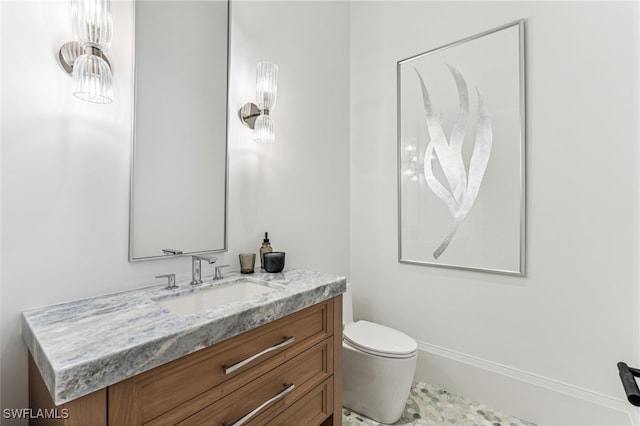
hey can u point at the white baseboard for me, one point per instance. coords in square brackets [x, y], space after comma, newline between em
[528, 396]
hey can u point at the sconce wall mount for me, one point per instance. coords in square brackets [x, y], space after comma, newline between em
[72, 50]
[249, 113]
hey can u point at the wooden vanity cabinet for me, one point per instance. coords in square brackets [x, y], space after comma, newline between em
[295, 379]
[72, 413]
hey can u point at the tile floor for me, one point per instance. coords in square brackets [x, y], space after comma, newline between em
[431, 406]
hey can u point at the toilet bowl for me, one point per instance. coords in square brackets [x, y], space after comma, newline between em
[378, 367]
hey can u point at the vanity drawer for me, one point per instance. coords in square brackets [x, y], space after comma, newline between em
[197, 380]
[273, 392]
[311, 409]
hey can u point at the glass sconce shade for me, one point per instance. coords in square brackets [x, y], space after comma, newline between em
[92, 22]
[256, 116]
[92, 79]
[263, 131]
[84, 59]
[266, 85]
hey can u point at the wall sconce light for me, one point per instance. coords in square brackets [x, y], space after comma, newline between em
[257, 117]
[85, 60]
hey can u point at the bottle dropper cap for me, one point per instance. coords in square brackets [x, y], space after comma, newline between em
[266, 237]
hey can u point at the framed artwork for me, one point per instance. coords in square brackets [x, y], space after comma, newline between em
[461, 154]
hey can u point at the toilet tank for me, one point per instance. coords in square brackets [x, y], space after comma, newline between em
[347, 306]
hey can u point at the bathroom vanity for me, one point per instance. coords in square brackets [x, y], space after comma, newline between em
[138, 357]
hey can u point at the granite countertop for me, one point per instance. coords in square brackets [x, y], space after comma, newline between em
[89, 344]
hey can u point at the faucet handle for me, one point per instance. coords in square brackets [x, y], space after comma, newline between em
[218, 272]
[171, 283]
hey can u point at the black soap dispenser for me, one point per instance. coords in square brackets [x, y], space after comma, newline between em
[265, 248]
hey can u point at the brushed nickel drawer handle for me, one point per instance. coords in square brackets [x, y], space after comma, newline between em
[234, 367]
[256, 410]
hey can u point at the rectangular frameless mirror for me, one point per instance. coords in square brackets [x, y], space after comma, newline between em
[179, 149]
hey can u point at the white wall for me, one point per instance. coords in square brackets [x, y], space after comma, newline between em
[575, 314]
[65, 163]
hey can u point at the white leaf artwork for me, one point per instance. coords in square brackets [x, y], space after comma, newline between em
[460, 190]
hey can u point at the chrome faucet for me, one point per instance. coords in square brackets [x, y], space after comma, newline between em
[196, 272]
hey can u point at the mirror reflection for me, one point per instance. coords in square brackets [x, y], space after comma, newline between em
[179, 158]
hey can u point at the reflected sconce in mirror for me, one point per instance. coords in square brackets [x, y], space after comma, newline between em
[256, 116]
[84, 59]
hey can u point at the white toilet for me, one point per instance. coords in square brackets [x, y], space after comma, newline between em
[378, 367]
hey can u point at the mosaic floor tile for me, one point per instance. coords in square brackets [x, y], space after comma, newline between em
[431, 406]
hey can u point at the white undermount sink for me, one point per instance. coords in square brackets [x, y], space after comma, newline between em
[217, 295]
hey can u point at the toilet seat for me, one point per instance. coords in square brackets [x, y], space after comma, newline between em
[378, 340]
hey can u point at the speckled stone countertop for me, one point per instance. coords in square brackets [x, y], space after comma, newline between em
[86, 345]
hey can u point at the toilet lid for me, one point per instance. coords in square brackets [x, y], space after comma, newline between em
[377, 339]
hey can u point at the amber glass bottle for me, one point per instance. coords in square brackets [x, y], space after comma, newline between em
[265, 248]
